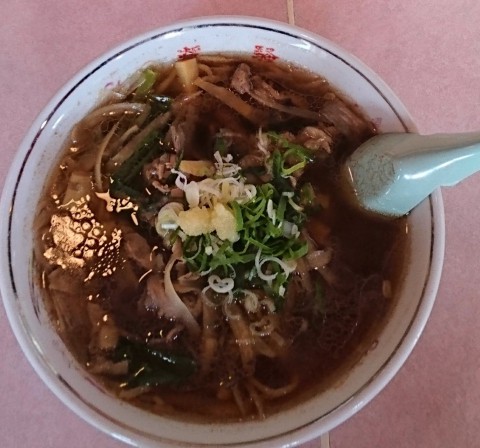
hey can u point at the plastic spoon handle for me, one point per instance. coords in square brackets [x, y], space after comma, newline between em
[392, 173]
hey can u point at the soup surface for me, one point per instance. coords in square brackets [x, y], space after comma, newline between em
[195, 249]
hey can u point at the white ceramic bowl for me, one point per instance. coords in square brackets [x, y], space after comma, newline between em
[38, 151]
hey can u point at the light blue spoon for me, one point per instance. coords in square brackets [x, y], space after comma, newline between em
[392, 173]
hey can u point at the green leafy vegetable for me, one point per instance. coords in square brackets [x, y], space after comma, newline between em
[125, 179]
[159, 104]
[151, 367]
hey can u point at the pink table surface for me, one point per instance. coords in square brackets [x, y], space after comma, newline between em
[428, 52]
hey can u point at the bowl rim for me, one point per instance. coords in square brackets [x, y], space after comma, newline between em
[376, 383]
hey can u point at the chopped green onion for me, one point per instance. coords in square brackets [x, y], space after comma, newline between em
[296, 156]
[307, 195]
[147, 80]
[238, 215]
[261, 223]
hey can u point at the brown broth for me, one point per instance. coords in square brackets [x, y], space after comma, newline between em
[344, 316]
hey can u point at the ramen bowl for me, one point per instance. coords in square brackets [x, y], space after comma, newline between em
[267, 41]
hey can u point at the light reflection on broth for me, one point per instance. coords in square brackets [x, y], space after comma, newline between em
[79, 239]
[194, 246]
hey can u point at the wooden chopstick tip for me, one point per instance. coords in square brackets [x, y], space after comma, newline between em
[291, 12]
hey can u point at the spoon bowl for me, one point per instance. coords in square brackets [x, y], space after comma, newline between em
[392, 173]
